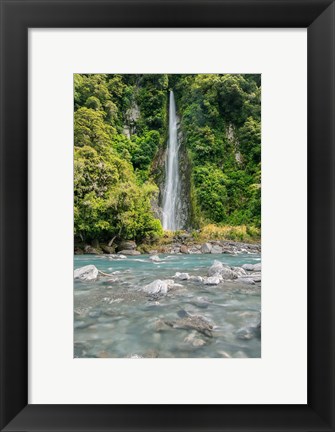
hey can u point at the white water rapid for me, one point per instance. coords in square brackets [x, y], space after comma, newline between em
[171, 191]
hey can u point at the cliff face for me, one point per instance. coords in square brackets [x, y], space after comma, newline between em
[185, 175]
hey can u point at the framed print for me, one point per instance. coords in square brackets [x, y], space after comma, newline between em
[135, 135]
[117, 317]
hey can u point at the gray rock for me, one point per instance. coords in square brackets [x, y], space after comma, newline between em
[89, 272]
[219, 269]
[154, 258]
[127, 245]
[184, 249]
[89, 250]
[158, 286]
[213, 280]
[194, 250]
[257, 277]
[206, 248]
[182, 276]
[239, 271]
[216, 249]
[252, 267]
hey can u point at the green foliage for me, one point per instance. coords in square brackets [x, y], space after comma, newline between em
[109, 197]
[144, 149]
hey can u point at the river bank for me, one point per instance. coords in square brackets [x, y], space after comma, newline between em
[176, 246]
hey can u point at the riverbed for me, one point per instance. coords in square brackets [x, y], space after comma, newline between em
[114, 317]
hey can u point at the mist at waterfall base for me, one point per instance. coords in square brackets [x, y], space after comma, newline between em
[117, 319]
[172, 190]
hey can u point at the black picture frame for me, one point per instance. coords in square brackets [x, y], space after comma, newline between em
[17, 16]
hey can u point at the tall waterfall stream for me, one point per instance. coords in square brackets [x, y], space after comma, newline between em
[172, 184]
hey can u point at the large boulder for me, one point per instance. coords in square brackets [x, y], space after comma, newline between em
[184, 249]
[220, 269]
[216, 249]
[206, 248]
[89, 272]
[158, 286]
[89, 250]
[126, 245]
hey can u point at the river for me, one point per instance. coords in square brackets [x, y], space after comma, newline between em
[113, 317]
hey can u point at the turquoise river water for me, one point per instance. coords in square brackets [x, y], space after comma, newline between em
[113, 317]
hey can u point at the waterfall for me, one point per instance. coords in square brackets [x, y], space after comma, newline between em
[172, 190]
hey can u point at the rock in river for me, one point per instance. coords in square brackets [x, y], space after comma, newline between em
[158, 286]
[154, 258]
[182, 276]
[220, 269]
[252, 267]
[89, 272]
[213, 280]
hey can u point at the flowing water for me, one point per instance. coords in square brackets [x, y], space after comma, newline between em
[171, 192]
[113, 317]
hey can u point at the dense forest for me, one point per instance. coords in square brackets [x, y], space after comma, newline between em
[120, 138]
